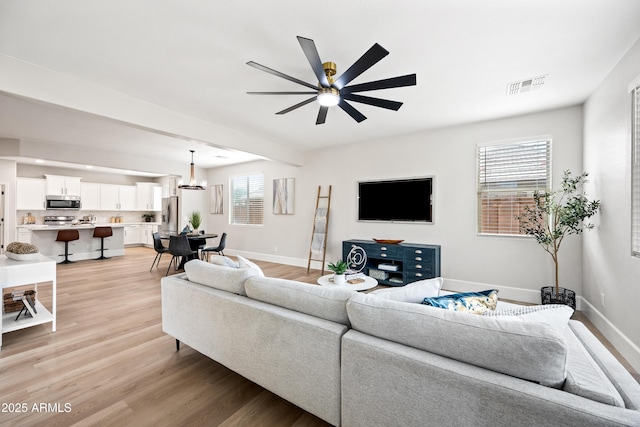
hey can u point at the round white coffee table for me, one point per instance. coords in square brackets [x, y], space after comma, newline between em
[367, 283]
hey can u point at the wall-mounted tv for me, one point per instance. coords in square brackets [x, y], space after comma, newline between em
[396, 200]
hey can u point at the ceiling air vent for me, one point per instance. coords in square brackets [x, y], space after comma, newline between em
[526, 85]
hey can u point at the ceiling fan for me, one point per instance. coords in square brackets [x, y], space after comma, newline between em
[329, 92]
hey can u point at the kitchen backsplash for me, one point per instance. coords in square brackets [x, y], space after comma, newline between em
[101, 216]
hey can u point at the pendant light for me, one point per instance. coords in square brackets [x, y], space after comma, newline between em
[192, 181]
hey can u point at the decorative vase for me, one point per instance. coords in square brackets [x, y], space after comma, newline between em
[339, 279]
[564, 296]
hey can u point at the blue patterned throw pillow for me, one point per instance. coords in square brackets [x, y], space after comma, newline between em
[471, 302]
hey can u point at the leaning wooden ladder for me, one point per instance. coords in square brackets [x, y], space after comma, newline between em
[320, 229]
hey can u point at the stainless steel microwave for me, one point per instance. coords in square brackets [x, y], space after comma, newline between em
[63, 202]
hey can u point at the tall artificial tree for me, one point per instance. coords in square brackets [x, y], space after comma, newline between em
[557, 214]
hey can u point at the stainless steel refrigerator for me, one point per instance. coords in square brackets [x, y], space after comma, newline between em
[169, 215]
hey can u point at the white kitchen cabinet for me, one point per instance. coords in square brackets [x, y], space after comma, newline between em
[24, 235]
[149, 196]
[62, 185]
[90, 196]
[132, 235]
[117, 197]
[30, 194]
[170, 188]
[146, 234]
[127, 197]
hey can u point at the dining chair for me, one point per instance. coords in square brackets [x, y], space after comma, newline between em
[179, 248]
[205, 252]
[159, 248]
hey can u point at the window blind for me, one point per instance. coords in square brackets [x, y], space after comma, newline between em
[247, 200]
[635, 175]
[508, 174]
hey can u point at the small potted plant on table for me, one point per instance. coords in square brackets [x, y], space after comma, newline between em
[339, 269]
[553, 216]
[195, 220]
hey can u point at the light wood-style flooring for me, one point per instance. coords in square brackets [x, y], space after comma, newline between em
[109, 363]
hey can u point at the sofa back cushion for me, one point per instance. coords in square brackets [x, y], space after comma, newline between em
[221, 277]
[529, 350]
[319, 301]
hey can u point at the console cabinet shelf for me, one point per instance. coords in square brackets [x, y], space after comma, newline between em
[408, 262]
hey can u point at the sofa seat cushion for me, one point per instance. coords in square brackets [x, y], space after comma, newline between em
[319, 301]
[619, 376]
[532, 351]
[221, 277]
[584, 376]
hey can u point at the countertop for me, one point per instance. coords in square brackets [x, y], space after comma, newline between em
[42, 227]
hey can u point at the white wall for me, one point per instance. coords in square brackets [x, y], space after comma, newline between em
[468, 260]
[609, 268]
[8, 178]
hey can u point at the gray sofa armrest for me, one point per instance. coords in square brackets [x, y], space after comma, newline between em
[385, 383]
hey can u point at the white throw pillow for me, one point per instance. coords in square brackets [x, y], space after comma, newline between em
[555, 315]
[413, 292]
[223, 260]
[245, 263]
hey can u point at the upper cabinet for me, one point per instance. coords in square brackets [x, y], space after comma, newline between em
[117, 197]
[149, 196]
[58, 185]
[90, 196]
[30, 194]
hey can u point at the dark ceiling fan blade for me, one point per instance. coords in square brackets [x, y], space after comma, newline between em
[366, 61]
[298, 105]
[310, 51]
[279, 74]
[282, 93]
[376, 102]
[400, 81]
[322, 115]
[348, 108]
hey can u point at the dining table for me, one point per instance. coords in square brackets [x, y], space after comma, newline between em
[196, 240]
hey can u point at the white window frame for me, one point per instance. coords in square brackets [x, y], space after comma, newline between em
[634, 88]
[254, 182]
[506, 183]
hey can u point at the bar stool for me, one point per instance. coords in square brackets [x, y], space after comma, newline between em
[67, 236]
[102, 232]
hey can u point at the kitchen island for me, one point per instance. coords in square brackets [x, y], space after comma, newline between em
[87, 247]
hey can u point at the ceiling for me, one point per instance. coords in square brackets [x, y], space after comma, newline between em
[176, 70]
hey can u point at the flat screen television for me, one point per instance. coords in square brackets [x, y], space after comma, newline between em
[396, 200]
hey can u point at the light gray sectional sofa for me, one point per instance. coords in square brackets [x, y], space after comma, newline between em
[380, 359]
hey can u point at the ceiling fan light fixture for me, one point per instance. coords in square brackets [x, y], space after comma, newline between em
[193, 185]
[328, 96]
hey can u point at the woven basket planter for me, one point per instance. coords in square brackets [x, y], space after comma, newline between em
[564, 296]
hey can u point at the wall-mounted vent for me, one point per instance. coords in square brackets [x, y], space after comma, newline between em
[526, 85]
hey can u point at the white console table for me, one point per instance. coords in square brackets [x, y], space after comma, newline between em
[22, 273]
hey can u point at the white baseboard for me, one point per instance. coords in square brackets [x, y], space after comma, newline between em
[296, 262]
[620, 341]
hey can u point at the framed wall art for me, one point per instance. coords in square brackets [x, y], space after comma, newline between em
[217, 199]
[283, 196]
